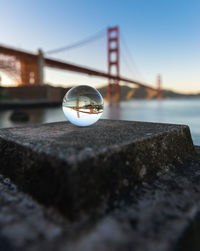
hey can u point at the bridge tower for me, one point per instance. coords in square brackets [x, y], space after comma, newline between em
[159, 87]
[113, 90]
[40, 67]
[31, 69]
[28, 72]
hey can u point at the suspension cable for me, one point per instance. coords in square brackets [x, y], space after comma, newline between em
[79, 43]
[131, 60]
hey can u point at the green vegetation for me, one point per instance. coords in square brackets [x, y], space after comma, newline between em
[4, 95]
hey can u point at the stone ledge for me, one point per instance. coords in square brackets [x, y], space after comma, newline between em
[24, 224]
[154, 216]
[80, 170]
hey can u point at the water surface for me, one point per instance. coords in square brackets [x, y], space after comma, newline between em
[177, 111]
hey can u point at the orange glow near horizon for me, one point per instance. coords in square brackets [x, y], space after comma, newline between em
[68, 79]
[7, 81]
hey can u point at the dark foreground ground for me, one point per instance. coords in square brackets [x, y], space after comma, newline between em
[113, 186]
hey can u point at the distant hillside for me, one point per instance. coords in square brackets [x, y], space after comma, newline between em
[127, 93]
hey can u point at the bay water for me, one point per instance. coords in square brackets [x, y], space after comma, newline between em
[176, 111]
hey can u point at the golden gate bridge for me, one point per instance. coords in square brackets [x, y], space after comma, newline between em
[27, 68]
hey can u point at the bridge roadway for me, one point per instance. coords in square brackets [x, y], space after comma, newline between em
[49, 62]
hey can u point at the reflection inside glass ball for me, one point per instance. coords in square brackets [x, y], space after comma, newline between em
[83, 105]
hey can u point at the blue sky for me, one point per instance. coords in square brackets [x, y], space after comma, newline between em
[163, 36]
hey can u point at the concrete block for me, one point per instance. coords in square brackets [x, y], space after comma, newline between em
[82, 170]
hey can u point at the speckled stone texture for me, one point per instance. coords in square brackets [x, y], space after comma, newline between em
[24, 224]
[80, 171]
[153, 216]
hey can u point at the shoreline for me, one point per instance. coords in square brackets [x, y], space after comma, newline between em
[6, 105]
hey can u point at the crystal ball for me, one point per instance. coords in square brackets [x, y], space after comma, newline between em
[83, 105]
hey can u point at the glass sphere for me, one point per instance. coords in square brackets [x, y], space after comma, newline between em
[83, 105]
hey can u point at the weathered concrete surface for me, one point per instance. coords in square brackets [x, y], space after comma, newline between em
[25, 225]
[152, 216]
[82, 170]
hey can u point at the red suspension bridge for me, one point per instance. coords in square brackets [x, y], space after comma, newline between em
[27, 68]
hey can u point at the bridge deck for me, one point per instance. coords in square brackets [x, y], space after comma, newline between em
[68, 66]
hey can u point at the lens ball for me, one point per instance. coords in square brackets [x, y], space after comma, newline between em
[83, 105]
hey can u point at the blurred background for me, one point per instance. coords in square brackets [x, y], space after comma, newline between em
[143, 56]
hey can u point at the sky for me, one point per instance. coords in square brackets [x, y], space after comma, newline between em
[156, 37]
